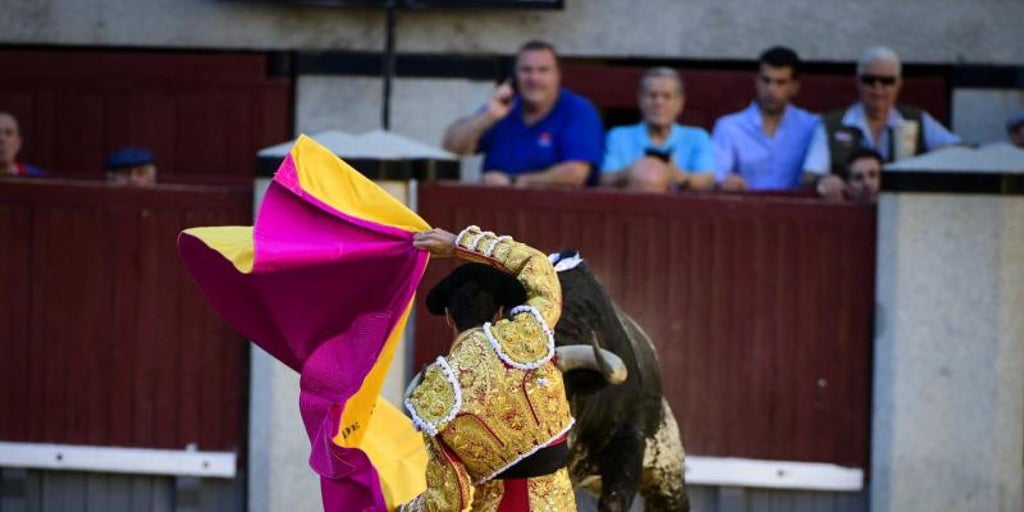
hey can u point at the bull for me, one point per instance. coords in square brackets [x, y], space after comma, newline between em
[625, 433]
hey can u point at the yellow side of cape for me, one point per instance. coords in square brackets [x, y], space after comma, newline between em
[331, 180]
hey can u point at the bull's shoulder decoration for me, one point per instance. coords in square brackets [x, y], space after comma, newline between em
[565, 260]
[437, 398]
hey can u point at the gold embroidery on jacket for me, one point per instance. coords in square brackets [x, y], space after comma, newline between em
[507, 413]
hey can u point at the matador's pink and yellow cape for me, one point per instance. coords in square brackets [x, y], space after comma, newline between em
[324, 282]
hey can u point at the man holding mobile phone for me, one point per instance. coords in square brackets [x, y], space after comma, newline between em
[532, 131]
[658, 154]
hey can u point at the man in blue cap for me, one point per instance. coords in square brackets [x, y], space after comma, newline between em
[131, 166]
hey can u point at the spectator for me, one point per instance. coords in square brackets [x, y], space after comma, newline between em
[876, 121]
[763, 146]
[658, 153]
[865, 171]
[1015, 129]
[10, 144]
[532, 131]
[131, 166]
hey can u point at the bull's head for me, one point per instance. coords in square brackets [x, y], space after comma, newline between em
[589, 323]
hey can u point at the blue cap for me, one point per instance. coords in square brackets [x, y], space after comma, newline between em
[129, 157]
[1015, 121]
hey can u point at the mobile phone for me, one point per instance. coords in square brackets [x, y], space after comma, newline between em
[510, 78]
[661, 154]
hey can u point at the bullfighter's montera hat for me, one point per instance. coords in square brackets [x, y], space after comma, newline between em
[506, 289]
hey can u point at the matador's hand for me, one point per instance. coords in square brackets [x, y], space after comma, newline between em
[438, 242]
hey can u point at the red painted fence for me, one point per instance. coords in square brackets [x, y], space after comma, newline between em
[204, 115]
[104, 339]
[760, 306]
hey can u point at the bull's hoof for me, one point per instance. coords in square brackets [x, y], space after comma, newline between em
[614, 502]
[587, 501]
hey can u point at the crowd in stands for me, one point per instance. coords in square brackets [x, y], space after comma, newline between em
[533, 131]
[126, 166]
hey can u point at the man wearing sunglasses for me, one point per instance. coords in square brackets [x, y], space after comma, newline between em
[875, 122]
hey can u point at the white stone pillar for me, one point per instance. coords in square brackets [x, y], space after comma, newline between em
[280, 479]
[948, 423]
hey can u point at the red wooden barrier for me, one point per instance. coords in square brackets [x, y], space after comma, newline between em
[105, 340]
[760, 306]
[204, 115]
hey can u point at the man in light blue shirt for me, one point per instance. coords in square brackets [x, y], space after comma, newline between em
[763, 146]
[659, 154]
[876, 121]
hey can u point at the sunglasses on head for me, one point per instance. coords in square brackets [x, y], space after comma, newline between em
[872, 79]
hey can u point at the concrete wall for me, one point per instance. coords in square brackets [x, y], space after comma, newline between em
[980, 115]
[948, 429]
[420, 108]
[924, 32]
[937, 31]
[280, 479]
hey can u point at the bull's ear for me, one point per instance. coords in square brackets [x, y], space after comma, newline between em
[582, 381]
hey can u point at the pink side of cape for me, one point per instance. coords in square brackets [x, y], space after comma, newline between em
[325, 292]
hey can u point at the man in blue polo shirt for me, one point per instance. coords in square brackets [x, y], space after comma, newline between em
[763, 146]
[537, 133]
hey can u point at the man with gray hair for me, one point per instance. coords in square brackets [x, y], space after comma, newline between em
[876, 121]
[658, 153]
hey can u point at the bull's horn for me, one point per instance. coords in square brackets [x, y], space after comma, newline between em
[576, 357]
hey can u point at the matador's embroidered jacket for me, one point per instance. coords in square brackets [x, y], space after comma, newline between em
[497, 398]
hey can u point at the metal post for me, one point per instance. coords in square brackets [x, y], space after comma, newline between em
[391, 9]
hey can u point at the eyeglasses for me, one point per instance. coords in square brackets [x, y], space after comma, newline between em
[873, 79]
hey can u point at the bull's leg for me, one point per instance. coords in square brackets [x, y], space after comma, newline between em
[621, 466]
[664, 485]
